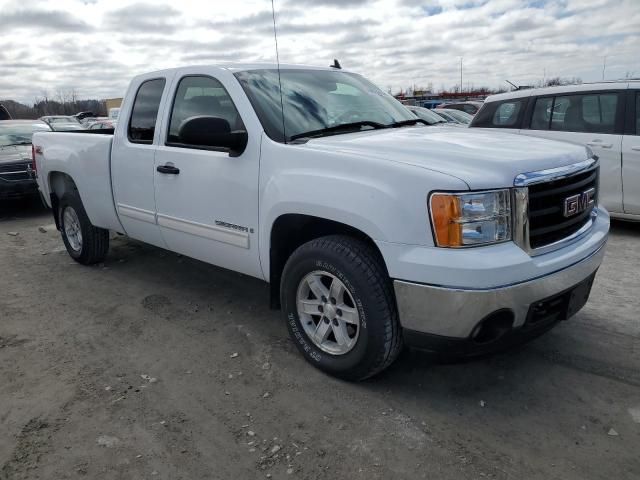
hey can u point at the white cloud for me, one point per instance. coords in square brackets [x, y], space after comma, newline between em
[95, 46]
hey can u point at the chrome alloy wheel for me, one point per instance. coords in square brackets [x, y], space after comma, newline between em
[328, 313]
[72, 228]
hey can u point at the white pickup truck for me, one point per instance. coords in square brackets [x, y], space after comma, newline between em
[374, 230]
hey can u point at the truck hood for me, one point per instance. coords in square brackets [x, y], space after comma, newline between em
[15, 153]
[481, 158]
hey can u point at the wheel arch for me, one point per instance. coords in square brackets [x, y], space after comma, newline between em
[59, 183]
[291, 230]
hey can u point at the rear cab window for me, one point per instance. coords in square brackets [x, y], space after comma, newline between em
[501, 114]
[144, 114]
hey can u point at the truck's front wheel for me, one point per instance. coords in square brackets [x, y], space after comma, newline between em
[85, 243]
[339, 307]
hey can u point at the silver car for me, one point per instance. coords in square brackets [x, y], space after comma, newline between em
[433, 118]
[454, 116]
[62, 123]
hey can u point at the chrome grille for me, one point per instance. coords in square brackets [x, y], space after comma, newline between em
[547, 221]
[542, 219]
[13, 172]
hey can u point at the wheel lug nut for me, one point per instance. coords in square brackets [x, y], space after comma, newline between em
[326, 320]
[339, 312]
[333, 300]
[335, 322]
[324, 299]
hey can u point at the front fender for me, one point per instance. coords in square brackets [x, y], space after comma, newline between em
[385, 200]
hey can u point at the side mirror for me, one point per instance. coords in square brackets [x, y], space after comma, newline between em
[212, 133]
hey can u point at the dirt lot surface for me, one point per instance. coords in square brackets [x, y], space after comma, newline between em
[157, 366]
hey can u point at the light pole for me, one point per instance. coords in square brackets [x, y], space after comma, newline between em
[460, 74]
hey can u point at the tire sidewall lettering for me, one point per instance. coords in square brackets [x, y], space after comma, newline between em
[329, 267]
[300, 337]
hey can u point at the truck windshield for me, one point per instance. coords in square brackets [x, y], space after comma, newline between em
[314, 100]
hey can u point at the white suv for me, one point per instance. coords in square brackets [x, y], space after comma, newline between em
[603, 116]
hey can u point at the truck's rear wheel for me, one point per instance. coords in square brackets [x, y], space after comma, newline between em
[339, 307]
[85, 243]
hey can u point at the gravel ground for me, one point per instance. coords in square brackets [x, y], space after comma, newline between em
[157, 366]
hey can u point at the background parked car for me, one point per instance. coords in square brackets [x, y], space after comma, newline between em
[16, 179]
[85, 122]
[454, 116]
[427, 115]
[101, 123]
[603, 116]
[82, 115]
[61, 123]
[4, 113]
[430, 104]
[470, 107]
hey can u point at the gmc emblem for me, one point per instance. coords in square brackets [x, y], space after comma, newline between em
[576, 204]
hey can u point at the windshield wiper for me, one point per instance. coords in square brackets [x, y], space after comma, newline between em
[411, 121]
[346, 127]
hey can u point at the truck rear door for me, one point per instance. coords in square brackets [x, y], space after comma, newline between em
[631, 155]
[133, 157]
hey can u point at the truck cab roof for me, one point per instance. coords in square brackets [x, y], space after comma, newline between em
[237, 67]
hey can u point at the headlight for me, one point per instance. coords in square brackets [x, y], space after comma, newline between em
[467, 219]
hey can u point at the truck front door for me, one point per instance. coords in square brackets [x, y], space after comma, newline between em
[207, 196]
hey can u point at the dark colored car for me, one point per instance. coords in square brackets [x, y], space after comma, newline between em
[470, 107]
[82, 115]
[4, 113]
[16, 164]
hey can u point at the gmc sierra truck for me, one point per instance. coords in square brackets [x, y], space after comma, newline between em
[373, 229]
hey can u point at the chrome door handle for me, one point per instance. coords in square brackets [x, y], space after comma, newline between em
[637, 149]
[596, 143]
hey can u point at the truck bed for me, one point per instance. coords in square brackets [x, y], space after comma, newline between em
[86, 159]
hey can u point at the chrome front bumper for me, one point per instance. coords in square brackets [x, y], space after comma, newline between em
[454, 312]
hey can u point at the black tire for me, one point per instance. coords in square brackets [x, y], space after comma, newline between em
[95, 241]
[360, 269]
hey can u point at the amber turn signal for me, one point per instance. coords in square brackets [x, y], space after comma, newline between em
[445, 212]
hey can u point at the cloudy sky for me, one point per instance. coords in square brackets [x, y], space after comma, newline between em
[95, 46]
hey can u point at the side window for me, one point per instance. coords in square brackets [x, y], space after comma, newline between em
[198, 97]
[145, 111]
[589, 113]
[507, 114]
[541, 114]
[599, 112]
[561, 105]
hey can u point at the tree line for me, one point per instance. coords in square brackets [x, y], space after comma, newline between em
[483, 91]
[64, 103]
